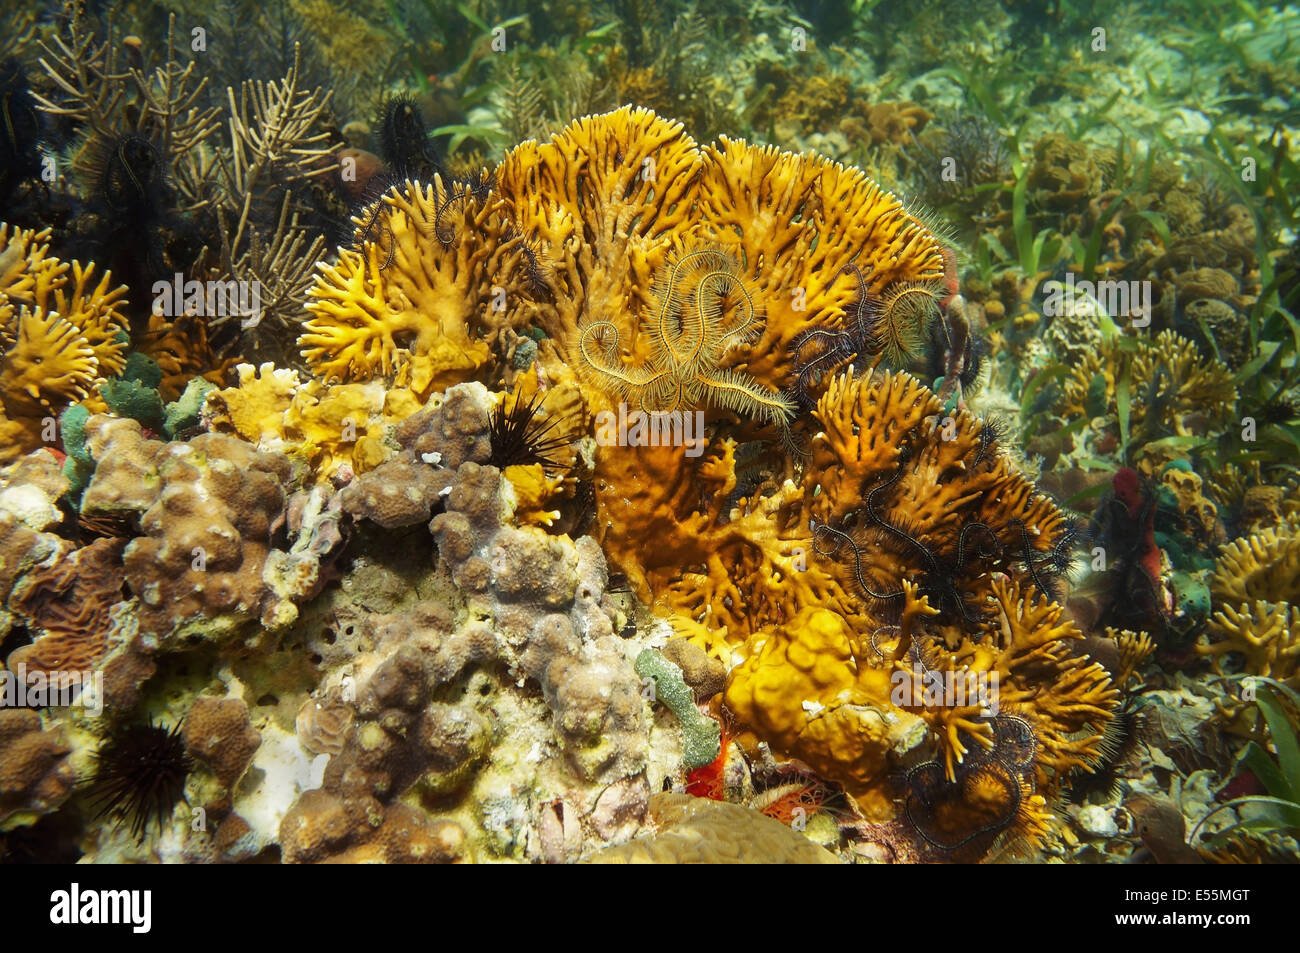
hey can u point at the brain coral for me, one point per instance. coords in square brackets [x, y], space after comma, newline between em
[69, 603]
[35, 775]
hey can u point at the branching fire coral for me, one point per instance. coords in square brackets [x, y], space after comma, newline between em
[1265, 635]
[406, 303]
[627, 211]
[1263, 566]
[59, 331]
[798, 222]
[918, 548]
[891, 492]
[1257, 598]
[1175, 391]
[639, 190]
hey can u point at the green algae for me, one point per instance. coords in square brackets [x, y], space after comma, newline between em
[701, 736]
[183, 413]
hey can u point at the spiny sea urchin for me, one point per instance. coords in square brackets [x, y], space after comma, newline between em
[404, 143]
[140, 775]
[1121, 739]
[519, 437]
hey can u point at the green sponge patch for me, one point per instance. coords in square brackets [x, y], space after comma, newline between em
[72, 425]
[183, 412]
[129, 398]
[78, 474]
[143, 369]
[702, 737]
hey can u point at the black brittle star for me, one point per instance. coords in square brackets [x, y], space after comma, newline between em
[1009, 762]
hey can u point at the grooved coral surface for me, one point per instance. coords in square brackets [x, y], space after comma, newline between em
[205, 508]
[69, 604]
[692, 830]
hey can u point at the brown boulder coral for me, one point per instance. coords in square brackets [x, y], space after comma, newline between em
[35, 776]
[319, 829]
[457, 698]
[22, 550]
[218, 734]
[206, 508]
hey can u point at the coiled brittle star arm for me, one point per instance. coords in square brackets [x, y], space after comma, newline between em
[628, 380]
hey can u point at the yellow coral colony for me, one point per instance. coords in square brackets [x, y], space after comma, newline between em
[432, 276]
[622, 208]
[665, 276]
[947, 517]
[1256, 590]
[1196, 396]
[328, 426]
[60, 334]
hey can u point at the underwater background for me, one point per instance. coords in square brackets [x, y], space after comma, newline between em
[626, 431]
